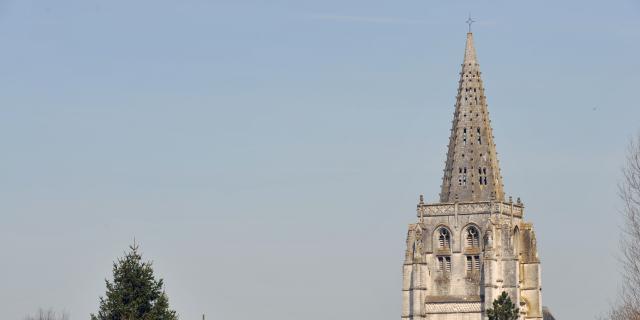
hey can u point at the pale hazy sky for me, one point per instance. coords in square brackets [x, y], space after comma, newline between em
[268, 155]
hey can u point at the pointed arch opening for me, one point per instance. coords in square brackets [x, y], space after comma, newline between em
[472, 237]
[444, 238]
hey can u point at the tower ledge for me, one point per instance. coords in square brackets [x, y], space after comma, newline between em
[476, 207]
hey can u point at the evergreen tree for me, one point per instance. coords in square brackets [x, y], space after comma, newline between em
[503, 309]
[134, 294]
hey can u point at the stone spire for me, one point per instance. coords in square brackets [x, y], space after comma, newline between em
[471, 172]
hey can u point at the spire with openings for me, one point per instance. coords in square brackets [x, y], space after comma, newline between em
[471, 172]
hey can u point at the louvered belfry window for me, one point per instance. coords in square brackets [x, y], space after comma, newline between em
[473, 237]
[444, 264]
[473, 263]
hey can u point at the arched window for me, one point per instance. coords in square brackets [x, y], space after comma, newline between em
[473, 237]
[444, 239]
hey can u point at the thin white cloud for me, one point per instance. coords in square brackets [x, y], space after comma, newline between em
[365, 19]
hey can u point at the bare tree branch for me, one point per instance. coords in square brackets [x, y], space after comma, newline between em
[628, 306]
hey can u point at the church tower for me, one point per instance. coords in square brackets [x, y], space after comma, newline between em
[473, 244]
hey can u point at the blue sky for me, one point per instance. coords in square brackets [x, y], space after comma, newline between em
[268, 155]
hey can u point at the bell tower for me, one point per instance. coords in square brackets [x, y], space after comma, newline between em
[473, 244]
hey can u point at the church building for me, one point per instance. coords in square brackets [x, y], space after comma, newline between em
[473, 244]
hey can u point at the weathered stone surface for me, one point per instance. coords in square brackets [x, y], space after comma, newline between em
[471, 246]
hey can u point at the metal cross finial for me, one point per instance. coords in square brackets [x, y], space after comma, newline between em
[470, 21]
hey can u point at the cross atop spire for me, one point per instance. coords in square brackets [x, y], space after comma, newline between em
[470, 21]
[471, 171]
